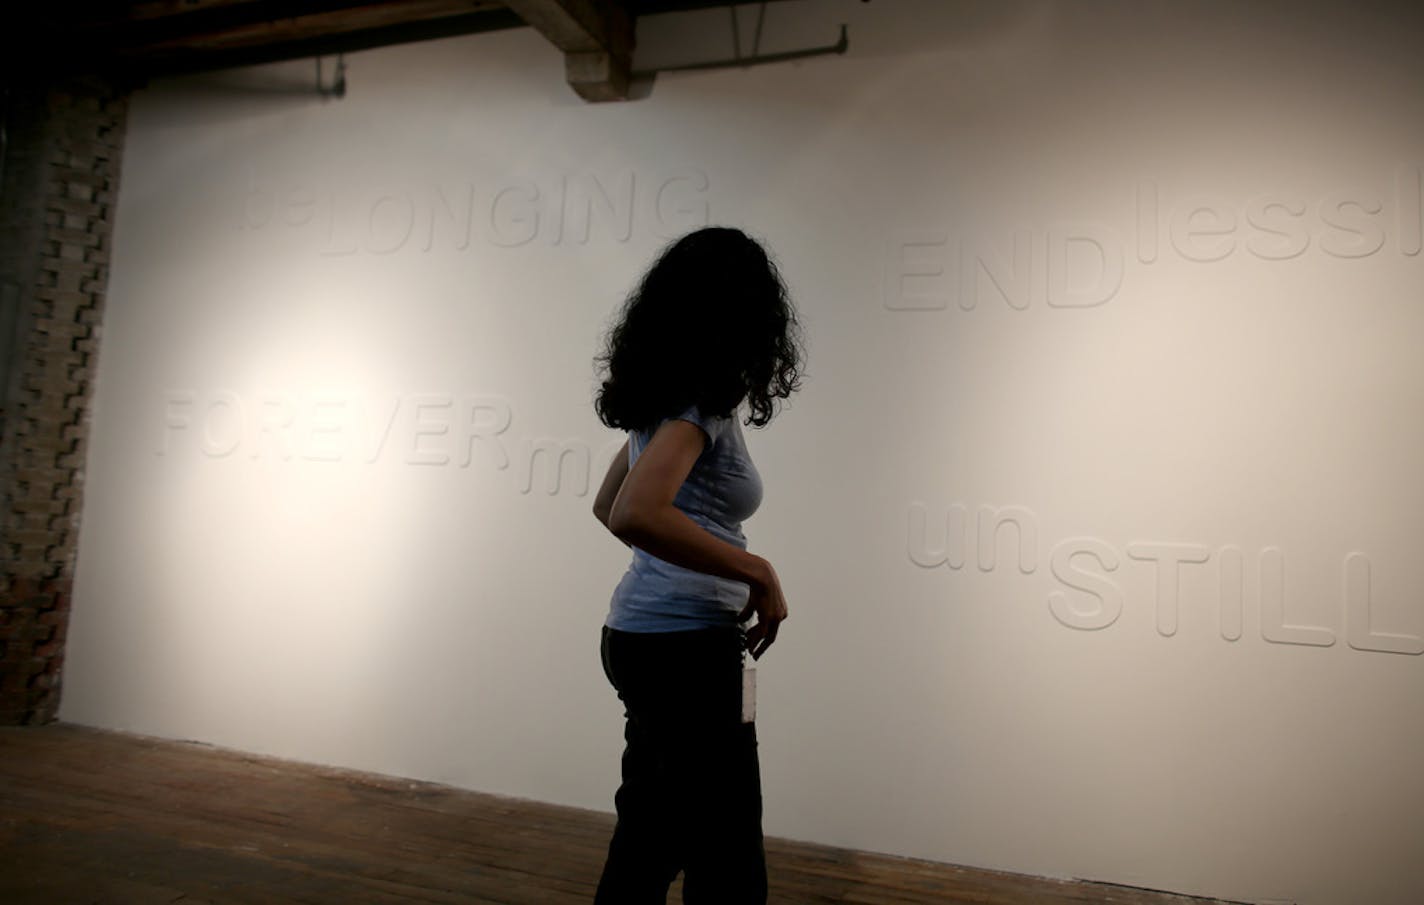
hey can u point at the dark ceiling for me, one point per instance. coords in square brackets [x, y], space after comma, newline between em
[144, 38]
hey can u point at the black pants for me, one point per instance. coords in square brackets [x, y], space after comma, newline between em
[691, 793]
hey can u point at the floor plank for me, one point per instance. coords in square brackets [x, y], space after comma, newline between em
[112, 818]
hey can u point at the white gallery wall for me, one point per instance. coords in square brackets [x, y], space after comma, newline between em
[1098, 515]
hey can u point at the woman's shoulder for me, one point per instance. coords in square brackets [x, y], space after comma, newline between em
[715, 425]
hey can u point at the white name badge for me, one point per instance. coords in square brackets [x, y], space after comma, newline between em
[749, 694]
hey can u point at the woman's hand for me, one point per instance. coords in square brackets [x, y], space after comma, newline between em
[769, 604]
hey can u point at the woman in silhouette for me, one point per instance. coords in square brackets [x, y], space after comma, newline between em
[707, 338]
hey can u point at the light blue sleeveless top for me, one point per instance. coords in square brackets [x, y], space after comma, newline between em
[720, 492]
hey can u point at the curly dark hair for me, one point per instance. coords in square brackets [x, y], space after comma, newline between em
[710, 324]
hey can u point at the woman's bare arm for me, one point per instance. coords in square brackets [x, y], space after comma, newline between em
[612, 482]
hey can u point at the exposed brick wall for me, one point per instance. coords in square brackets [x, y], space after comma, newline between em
[60, 182]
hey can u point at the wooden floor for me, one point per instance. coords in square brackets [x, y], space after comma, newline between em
[96, 816]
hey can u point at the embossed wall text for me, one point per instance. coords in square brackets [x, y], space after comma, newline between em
[1092, 600]
[1083, 264]
[568, 209]
[418, 429]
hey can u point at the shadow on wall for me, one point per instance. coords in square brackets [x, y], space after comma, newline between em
[232, 94]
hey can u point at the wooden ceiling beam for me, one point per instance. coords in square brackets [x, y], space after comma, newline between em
[143, 38]
[596, 37]
[228, 24]
[166, 37]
